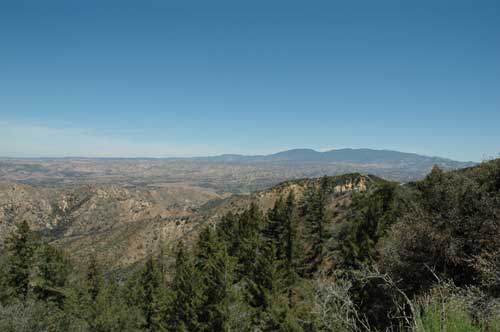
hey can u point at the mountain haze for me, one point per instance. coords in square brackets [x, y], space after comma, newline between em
[224, 174]
[347, 155]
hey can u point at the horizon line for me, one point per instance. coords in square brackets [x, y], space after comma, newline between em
[233, 154]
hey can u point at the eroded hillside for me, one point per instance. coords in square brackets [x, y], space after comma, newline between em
[101, 219]
[122, 225]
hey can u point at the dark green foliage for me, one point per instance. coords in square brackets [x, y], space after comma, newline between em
[371, 217]
[36, 316]
[315, 216]
[371, 265]
[218, 274]
[93, 278]
[282, 230]
[20, 251]
[52, 269]
[293, 247]
[206, 247]
[150, 295]
[228, 231]
[455, 220]
[112, 313]
[249, 236]
[98, 303]
[82, 296]
[187, 291]
[273, 231]
[266, 289]
[266, 278]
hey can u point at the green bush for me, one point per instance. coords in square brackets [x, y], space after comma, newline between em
[449, 309]
[445, 316]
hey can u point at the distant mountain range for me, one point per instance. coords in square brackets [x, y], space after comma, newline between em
[227, 173]
[349, 156]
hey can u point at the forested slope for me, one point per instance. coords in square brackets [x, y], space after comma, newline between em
[383, 257]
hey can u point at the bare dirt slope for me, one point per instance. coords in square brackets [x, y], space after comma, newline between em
[120, 223]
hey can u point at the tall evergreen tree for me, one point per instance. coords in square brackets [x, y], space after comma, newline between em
[94, 278]
[52, 269]
[82, 296]
[151, 296]
[266, 289]
[228, 231]
[249, 235]
[112, 314]
[20, 250]
[266, 278]
[187, 291]
[218, 277]
[373, 215]
[274, 228]
[292, 244]
[206, 246]
[315, 217]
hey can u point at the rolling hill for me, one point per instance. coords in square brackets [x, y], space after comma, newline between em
[225, 174]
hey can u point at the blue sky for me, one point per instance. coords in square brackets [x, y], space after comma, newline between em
[180, 78]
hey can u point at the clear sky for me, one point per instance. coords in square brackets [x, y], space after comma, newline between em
[179, 78]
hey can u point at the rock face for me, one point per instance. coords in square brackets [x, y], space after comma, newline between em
[122, 225]
[356, 185]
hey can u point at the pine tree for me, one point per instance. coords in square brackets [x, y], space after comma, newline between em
[315, 216]
[249, 236]
[151, 296]
[219, 294]
[206, 247]
[228, 231]
[112, 314]
[94, 278]
[276, 219]
[52, 271]
[187, 291]
[98, 303]
[292, 245]
[83, 293]
[20, 250]
[266, 289]
[374, 213]
[266, 278]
